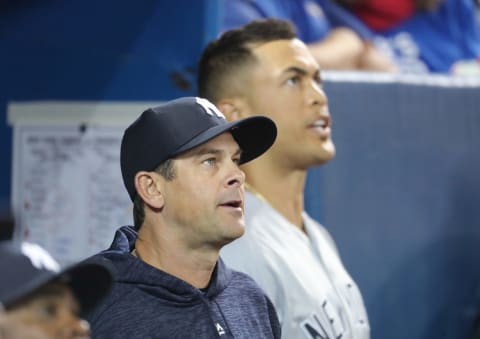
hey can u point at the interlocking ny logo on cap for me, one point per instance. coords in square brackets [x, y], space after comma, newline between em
[209, 108]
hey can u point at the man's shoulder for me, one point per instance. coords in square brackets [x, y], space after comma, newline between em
[244, 296]
[242, 281]
[112, 311]
[243, 287]
[131, 310]
[122, 294]
[101, 258]
[246, 287]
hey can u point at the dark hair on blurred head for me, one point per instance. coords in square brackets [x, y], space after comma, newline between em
[224, 57]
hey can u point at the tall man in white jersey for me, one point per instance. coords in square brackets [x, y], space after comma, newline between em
[263, 67]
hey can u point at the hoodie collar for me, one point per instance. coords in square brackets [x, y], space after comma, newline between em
[131, 270]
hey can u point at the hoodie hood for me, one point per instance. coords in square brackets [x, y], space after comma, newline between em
[131, 270]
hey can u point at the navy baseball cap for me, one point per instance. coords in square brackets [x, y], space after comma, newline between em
[29, 267]
[179, 125]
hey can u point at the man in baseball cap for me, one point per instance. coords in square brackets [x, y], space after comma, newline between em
[180, 166]
[41, 300]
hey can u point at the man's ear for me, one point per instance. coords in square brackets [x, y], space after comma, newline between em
[231, 108]
[149, 188]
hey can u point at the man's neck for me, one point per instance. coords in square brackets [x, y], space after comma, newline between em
[167, 254]
[283, 190]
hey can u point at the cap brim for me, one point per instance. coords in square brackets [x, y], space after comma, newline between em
[25, 288]
[254, 135]
[90, 283]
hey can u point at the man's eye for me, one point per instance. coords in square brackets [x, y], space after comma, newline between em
[49, 310]
[236, 160]
[209, 161]
[293, 80]
[318, 80]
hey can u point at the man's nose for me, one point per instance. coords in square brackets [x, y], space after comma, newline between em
[236, 177]
[317, 95]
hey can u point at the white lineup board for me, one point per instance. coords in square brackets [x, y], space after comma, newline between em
[67, 191]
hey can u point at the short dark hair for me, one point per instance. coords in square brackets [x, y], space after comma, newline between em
[223, 58]
[166, 170]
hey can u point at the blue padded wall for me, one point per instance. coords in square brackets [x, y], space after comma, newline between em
[401, 198]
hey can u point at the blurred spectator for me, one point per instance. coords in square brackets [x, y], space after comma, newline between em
[425, 35]
[384, 14]
[11, 328]
[336, 38]
[41, 301]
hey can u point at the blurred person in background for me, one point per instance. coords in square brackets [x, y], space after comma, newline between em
[40, 300]
[335, 37]
[440, 36]
[12, 328]
[380, 15]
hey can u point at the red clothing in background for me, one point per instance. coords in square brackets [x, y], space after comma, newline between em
[383, 14]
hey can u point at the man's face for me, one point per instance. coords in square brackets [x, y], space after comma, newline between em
[285, 85]
[52, 311]
[204, 202]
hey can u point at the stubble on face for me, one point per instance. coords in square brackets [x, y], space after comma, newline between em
[200, 204]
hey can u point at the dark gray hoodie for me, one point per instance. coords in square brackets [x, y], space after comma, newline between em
[146, 302]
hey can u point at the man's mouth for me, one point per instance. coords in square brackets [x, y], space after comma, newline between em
[232, 203]
[321, 127]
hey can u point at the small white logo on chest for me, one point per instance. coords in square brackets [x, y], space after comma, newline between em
[220, 329]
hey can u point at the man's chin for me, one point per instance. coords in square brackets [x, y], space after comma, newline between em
[325, 155]
[234, 234]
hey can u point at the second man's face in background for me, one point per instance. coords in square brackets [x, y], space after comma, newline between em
[285, 84]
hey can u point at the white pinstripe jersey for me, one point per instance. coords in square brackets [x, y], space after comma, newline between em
[302, 274]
